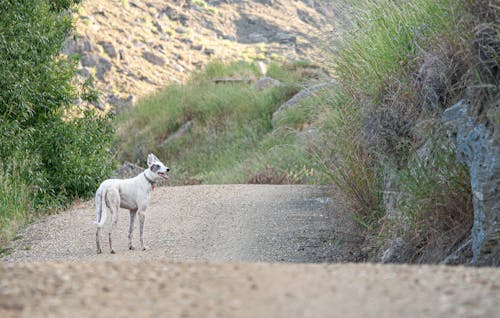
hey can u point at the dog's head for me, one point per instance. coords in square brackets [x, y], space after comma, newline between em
[157, 167]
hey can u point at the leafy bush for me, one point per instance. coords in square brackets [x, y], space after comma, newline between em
[75, 153]
[36, 80]
[46, 158]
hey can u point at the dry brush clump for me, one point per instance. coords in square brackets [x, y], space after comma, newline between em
[387, 127]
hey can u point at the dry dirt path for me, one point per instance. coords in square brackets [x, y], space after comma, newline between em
[218, 251]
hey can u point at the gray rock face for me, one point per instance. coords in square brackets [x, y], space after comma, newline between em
[265, 83]
[120, 104]
[479, 148]
[103, 67]
[127, 170]
[296, 99]
[109, 48]
[179, 133]
[90, 60]
[74, 46]
[154, 59]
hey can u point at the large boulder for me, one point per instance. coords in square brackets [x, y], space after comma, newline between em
[279, 114]
[479, 148]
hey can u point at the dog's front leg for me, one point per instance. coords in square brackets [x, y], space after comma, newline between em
[131, 228]
[142, 218]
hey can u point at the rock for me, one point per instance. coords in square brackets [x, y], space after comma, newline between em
[184, 19]
[391, 196]
[286, 38]
[432, 80]
[229, 37]
[146, 79]
[179, 133]
[120, 103]
[479, 148]
[127, 170]
[170, 12]
[181, 30]
[77, 46]
[395, 252]
[187, 41]
[209, 51]
[257, 37]
[178, 68]
[109, 49]
[103, 66]
[90, 60]
[84, 72]
[121, 53]
[294, 101]
[265, 83]
[154, 59]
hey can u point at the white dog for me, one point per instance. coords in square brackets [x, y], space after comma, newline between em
[131, 194]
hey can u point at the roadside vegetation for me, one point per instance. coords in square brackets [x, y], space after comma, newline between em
[51, 152]
[401, 66]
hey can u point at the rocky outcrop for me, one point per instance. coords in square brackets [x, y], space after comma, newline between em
[154, 59]
[265, 82]
[479, 148]
[296, 99]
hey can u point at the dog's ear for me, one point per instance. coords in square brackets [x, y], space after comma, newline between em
[152, 159]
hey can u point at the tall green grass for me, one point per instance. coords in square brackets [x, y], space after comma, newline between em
[378, 102]
[373, 66]
[231, 133]
[16, 199]
[386, 35]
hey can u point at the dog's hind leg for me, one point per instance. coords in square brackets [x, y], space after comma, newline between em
[113, 202]
[100, 217]
[131, 228]
[98, 240]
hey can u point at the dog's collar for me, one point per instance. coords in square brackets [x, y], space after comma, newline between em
[151, 182]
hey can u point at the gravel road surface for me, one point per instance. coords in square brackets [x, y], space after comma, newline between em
[228, 251]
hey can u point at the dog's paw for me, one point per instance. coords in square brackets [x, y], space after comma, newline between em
[113, 252]
[144, 248]
[99, 251]
[131, 248]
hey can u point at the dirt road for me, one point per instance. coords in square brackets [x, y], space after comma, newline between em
[219, 251]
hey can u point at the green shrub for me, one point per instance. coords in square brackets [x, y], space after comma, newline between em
[75, 153]
[46, 160]
[36, 80]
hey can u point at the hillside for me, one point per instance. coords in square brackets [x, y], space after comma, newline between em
[133, 48]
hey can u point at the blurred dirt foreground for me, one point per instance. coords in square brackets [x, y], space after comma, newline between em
[228, 251]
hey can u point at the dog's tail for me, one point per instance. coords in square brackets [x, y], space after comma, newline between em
[100, 201]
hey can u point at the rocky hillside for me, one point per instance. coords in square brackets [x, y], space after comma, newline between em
[133, 48]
